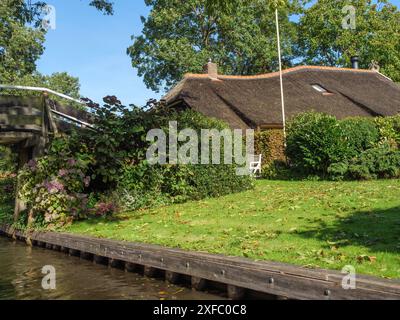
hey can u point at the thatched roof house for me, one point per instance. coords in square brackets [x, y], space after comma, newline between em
[255, 101]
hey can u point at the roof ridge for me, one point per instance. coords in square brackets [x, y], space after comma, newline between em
[275, 74]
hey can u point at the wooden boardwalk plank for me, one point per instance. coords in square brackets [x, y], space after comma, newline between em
[267, 277]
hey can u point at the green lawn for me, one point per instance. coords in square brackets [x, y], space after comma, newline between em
[313, 224]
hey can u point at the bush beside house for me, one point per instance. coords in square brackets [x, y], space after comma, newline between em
[354, 148]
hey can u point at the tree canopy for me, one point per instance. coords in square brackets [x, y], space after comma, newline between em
[179, 37]
[103, 5]
[20, 44]
[240, 35]
[322, 39]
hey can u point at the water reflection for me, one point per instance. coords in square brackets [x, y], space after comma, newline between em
[21, 277]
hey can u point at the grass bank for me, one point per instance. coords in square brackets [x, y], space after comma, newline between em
[313, 224]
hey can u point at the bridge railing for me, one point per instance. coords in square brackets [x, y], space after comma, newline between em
[63, 112]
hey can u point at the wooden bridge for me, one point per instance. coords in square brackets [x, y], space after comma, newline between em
[27, 123]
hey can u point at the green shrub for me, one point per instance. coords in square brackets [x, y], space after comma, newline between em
[216, 180]
[7, 188]
[379, 162]
[389, 129]
[145, 185]
[141, 185]
[278, 170]
[314, 142]
[353, 148]
[194, 120]
[193, 182]
[7, 160]
[339, 170]
[360, 134]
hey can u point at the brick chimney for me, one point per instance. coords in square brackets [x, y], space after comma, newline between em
[211, 69]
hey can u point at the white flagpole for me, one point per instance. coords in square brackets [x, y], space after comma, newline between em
[280, 76]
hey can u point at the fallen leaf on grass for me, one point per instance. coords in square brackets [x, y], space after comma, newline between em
[363, 258]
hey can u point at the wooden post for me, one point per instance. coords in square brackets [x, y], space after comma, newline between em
[235, 293]
[114, 263]
[198, 284]
[74, 253]
[49, 115]
[130, 267]
[150, 272]
[40, 244]
[64, 249]
[86, 256]
[172, 277]
[100, 260]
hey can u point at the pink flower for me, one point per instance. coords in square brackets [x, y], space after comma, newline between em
[54, 186]
[62, 172]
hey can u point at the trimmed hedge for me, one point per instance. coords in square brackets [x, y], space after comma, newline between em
[142, 185]
[269, 143]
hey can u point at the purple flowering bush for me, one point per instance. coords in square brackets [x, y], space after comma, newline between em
[54, 189]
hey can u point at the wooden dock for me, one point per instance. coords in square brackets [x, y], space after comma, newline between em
[239, 276]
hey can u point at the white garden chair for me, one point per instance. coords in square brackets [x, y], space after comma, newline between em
[255, 164]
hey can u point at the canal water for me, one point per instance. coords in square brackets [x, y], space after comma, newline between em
[21, 278]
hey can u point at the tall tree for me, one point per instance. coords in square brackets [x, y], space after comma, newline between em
[22, 36]
[63, 82]
[323, 40]
[20, 44]
[181, 36]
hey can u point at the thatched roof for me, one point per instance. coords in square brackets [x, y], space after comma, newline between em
[255, 101]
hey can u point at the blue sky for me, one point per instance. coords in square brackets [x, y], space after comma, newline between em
[92, 47]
